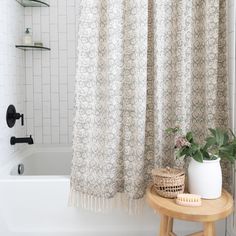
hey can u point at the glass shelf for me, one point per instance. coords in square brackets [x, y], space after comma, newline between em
[29, 47]
[33, 3]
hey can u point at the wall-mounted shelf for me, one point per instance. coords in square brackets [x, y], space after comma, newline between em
[33, 3]
[29, 47]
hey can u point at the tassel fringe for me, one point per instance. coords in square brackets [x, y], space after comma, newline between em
[100, 204]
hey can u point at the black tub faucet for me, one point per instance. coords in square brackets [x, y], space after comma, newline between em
[12, 116]
[28, 140]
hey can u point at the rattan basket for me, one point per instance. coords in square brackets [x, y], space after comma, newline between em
[168, 182]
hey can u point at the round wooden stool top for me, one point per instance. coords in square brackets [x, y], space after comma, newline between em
[210, 211]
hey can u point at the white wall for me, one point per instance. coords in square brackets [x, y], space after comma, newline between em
[231, 32]
[12, 73]
[50, 76]
[231, 64]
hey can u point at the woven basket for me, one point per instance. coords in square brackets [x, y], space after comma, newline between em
[168, 182]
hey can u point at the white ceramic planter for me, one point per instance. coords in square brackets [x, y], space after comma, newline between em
[205, 179]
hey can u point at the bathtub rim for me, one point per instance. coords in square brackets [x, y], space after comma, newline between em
[19, 156]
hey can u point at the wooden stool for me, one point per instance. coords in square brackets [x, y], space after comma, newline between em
[208, 213]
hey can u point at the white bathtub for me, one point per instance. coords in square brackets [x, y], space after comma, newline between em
[35, 204]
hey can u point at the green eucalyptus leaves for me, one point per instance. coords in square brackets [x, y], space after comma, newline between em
[218, 144]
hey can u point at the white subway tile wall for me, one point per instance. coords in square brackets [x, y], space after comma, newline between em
[12, 74]
[231, 61]
[50, 76]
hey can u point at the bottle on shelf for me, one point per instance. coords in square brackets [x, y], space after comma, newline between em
[28, 37]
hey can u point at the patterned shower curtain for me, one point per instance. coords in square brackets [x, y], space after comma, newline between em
[143, 66]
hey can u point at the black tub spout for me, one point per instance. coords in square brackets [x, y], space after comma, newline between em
[28, 140]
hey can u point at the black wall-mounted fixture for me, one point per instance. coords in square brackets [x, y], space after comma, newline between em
[12, 116]
[28, 140]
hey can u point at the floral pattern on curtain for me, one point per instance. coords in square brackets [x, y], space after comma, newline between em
[143, 66]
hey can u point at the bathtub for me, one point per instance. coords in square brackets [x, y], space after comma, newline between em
[35, 203]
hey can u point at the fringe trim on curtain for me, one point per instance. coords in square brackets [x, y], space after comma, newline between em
[99, 204]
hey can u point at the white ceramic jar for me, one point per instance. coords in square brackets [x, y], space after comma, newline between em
[205, 179]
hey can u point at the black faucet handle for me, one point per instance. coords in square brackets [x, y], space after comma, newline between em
[22, 119]
[20, 116]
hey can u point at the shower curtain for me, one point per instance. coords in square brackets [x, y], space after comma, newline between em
[143, 66]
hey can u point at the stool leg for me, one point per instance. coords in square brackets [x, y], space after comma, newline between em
[209, 229]
[169, 226]
[163, 225]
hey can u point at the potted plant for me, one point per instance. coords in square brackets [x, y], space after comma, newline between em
[204, 171]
